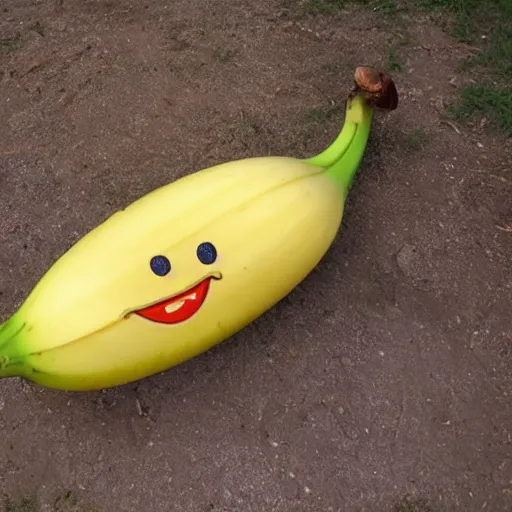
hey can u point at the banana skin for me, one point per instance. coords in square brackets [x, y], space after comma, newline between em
[187, 265]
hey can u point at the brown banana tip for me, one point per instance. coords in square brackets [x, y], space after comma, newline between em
[378, 86]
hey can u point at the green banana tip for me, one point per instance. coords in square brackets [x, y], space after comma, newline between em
[373, 89]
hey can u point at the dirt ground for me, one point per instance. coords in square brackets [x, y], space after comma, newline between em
[387, 374]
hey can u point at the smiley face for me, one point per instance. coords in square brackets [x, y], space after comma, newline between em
[184, 305]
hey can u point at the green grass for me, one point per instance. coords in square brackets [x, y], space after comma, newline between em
[460, 9]
[472, 17]
[394, 62]
[485, 100]
[497, 54]
[388, 7]
[490, 68]
[486, 24]
[10, 44]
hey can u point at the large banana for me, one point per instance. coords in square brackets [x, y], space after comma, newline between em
[189, 264]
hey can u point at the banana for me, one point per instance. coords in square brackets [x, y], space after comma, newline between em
[189, 264]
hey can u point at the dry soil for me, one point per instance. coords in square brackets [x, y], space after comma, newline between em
[386, 374]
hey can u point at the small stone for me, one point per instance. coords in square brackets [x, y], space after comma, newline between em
[407, 259]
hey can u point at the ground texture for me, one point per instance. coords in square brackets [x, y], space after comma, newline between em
[382, 383]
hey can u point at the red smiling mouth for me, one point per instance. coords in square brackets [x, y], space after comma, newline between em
[180, 307]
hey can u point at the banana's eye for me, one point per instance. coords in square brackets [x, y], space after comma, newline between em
[206, 253]
[160, 265]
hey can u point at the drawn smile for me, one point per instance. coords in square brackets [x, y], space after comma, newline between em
[179, 307]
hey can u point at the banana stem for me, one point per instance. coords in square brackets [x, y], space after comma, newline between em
[335, 151]
[342, 158]
[360, 115]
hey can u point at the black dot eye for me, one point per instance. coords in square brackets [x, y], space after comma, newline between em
[206, 253]
[160, 265]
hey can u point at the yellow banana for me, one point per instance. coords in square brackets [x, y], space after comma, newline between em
[186, 266]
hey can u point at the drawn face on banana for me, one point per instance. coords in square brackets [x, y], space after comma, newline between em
[186, 303]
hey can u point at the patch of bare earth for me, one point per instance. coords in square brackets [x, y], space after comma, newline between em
[386, 373]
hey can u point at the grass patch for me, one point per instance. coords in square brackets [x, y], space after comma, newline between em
[487, 24]
[461, 11]
[497, 54]
[473, 18]
[485, 100]
[483, 23]
[11, 44]
[394, 62]
[388, 7]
